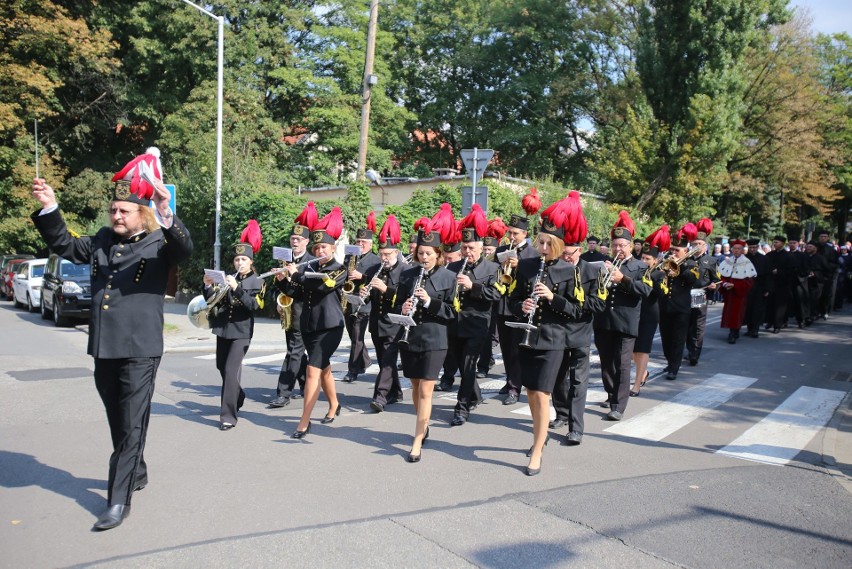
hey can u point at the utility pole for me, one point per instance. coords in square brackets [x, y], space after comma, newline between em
[366, 89]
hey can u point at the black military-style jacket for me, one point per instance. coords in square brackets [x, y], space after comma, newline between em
[321, 307]
[525, 251]
[550, 317]
[762, 282]
[594, 256]
[431, 330]
[382, 304]
[364, 262]
[819, 269]
[129, 279]
[778, 267]
[233, 317]
[473, 311]
[296, 307]
[580, 328]
[708, 271]
[624, 302]
[679, 298]
[799, 268]
[651, 304]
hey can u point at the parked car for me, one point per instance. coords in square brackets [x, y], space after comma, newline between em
[4, 264]
[8, 277]
[26, 287]
[66, 291]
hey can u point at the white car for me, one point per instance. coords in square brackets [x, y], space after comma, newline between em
[26, 286]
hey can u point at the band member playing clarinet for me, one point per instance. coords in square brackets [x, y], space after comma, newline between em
[544, 295]
[426, 294]
[233, 322]
[322, 315]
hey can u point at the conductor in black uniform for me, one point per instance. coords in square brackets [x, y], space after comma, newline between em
[130, 261]
[232, 321]
[358, 318]
[383, 282]
[474, 297]
[617, 326]
[296, 362]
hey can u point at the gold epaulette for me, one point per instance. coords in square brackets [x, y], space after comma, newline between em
[664, 287]
[646, 278]
[457, 304]
[501, 288]
[512, 286]
[74, 234]
[579, 293]
[694, 272]
[260, 297]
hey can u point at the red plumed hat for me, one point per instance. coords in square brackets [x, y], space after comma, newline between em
[134, 181]
[371, 221]
[445, 224]
[556, 213]
[423, 223]
[250, 236]
[332, 223]
[575, 224]
[474, 226]
[370, 230]
[390, 234]
[704, 228]
[684, 235]
[624, 227]
[309, 217]
[496, 228]
[531, 202]
[658, 242]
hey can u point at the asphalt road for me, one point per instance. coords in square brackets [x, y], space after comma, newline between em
[677, 484]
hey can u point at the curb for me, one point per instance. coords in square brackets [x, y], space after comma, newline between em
[829, 449]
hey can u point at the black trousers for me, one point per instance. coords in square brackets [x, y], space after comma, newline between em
[487, 353]
[673, 330]
[126, 387]
[572, 383]
[294, 365]
[359, 355]
[466, 352]
[800, 302]
[826, 298]
[815, 298]
[755, 309]
[229, 362]
[509, 342]
[695, 332]
[387, 380]
[616, 352]
[776, 309]
[451, 364]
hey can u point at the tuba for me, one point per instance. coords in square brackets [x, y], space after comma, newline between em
[285, 310]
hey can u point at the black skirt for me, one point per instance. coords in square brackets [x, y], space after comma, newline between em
[648, 321]
[539, 368]
[321, 346]
[422, 365]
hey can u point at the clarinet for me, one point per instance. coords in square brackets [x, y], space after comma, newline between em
[414, 302]
[528, 332]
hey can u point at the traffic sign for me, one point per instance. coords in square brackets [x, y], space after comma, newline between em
[476, 161]
[467, 199]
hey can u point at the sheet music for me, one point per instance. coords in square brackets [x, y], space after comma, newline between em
[402, 320]
[502, 256]
[354, 300]
[352, 250]
[218, 277]
[282, 254]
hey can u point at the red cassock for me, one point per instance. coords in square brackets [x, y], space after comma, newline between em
[733, 312]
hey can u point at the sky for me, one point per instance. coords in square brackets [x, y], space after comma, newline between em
[830, 16]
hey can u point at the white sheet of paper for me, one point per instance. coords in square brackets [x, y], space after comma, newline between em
[402, 320]
[352, 250]
[354, 300]
[282, 254]
[502, 256]
[146, 173]
[521, 325]
[217, 276]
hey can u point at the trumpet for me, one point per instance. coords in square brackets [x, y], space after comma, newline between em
[527, 341]
[505, 277]
[615, 266]
[414, 302]
[671, 266]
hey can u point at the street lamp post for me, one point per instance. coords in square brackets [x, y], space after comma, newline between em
[217, 245]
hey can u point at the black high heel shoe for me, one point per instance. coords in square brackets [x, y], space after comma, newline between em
[301, 434]
[414, 457]
[534, 471]
[547, 440]
[326, 420]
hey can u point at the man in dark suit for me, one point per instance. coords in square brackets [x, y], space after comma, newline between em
[475, 295]
[296, 361]
[131, 260]
[358, 318]
[383, 280]
[592, 253]
[708, 279]
[676, 306]
[777, 265]
[757, 296]
[617, 326]
[800, 294]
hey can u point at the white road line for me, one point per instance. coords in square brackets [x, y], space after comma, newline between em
[782, 434]
[664, 419]
[279, 357]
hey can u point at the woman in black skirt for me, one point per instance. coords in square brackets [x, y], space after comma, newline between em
[544, 288]
[649, 317]
[424, 350]
[232, 321]
[322, 316]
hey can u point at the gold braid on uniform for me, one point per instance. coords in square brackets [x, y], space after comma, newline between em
[579, 293]
[331, 280]
[261, 296]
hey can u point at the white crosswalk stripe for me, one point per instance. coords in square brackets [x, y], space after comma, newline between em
[660, 421]
[781, 435]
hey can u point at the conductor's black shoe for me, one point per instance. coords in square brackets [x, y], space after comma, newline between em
[557, 424]
[671, 376]
[112, 517]
[614, 415]
[377, 407]
[301, 434]
[280, 401]
[511, 399]
[458, 421]
[574, 439]
[226, 426]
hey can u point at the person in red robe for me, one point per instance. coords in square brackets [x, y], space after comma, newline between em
[738, 276]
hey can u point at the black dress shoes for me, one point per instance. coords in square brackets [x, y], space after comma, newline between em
[504, 390]
[614, 415]
[444, 387]
[376, 406]
[671, 376]
[326, 420]
[511, 399]
[226, 426]
[280, 401]
[349, 377]
[458, 421]
[481, 374]
[413, 457]
[693, 361]
[557, 424]
[140, 484]
[112, 517]
[301, 434]
[533, 471]
[574, 439]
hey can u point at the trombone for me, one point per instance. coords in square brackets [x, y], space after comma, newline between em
[671, 266]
